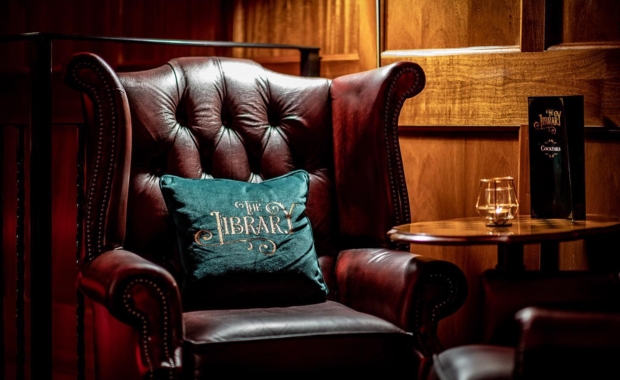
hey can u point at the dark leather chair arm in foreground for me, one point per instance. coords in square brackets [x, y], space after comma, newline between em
[570, 330]
[283, 267]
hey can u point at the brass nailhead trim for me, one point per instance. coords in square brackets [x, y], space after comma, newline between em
[434, 312]
[144, 332]
[92, 249]
[393, 123]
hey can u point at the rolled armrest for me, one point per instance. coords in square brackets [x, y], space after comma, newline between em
[567, 344]
[145, 297]
[411, 291]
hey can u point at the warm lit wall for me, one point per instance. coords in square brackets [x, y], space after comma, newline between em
[344, 30]
[339, 28]
[482, 59]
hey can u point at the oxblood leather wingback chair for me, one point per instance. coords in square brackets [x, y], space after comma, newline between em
[384, 303]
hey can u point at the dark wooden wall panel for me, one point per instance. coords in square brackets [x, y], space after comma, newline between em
[189, 19]
[194, 19]
[590, 21]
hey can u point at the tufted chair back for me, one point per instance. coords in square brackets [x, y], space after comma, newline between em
[212, 117]
[206, 117]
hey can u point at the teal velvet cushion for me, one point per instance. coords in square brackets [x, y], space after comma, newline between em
[244, 244]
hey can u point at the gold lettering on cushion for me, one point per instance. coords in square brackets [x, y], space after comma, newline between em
[250, 226]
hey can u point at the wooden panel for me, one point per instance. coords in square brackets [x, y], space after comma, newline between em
[532, 25]
[472, 87]
[591, 21]
[345, 31]
[193, 19]
[64, 349]
[330, 24]
[64, 213]
[368, 39]
[190, 19]
[440, 24]
[442, 171]
[602, 176]
[488, 87]
[284, 21]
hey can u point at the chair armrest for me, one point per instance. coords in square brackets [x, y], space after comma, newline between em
[411, 291]
[505, 293]
[145, 297]
[542, 327]
[365, 111]
[567, 344]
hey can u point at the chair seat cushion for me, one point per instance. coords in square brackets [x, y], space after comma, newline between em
[245, 244]
[474, 362]
[296, 339]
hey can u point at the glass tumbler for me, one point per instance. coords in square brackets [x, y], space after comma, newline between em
[497, 201]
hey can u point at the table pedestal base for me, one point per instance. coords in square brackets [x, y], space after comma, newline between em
[510, 256]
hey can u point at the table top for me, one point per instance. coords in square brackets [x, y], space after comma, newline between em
[524, 229]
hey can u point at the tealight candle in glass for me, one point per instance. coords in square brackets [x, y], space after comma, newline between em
[497, 201]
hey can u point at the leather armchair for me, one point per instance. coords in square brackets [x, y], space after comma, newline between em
[541, 325]
[384, 303]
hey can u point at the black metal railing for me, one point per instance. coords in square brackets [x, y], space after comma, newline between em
[37, 150]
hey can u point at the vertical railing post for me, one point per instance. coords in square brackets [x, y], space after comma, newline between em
[310, 65]
[2, 357]
[20, 260]
[41, 209]
[81, 344]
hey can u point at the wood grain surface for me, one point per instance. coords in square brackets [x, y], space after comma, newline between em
[442, 172]
[346, 31]
[442, 169]
[585, 21]
[475, 87]
[482, 59]
[441, 24]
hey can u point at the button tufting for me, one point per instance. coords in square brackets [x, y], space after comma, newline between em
[274, 116]
[227, 119]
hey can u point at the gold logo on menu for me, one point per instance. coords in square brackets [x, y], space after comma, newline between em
[549, 122]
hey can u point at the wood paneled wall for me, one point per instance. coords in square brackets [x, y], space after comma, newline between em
[444, 24]
[483, 59]
[187, 19]
[345, 31]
